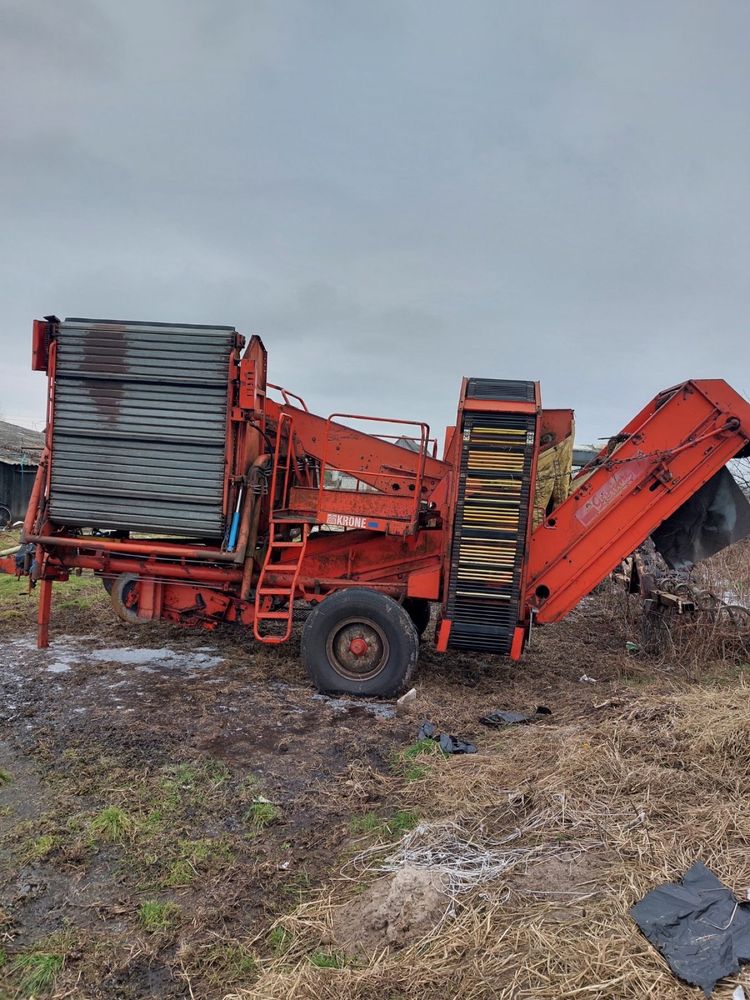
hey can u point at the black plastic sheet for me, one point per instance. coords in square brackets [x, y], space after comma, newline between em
[699, 926]
[498, 718]
[717, 515]
[448, 744]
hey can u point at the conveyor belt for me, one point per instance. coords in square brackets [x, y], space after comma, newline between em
[492, 513]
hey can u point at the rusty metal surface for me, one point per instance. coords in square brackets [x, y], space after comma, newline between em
[139, 427]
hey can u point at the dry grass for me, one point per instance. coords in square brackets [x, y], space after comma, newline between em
[692, 643]
[581, 820]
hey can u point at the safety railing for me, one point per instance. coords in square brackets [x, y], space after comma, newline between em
[285, 423]
[412, 481]
[287, 395]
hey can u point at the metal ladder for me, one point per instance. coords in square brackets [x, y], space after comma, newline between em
[277, 583]
[274, 602]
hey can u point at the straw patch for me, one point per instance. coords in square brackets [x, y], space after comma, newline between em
[540, 845]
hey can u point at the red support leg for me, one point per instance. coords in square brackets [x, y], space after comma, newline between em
[443, 634]
[519, 640]
[45, 606]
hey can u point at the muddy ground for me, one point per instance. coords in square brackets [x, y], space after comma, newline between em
[167, 795]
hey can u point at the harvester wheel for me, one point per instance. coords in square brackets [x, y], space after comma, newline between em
[361, 642]
[118, 594]
[419, 611]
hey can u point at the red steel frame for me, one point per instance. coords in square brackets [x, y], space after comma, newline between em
[404, 528]
[667, 452]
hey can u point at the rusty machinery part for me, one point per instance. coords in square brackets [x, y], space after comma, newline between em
[724, 625]
[671, 595]
[121, 590]
[360, 642]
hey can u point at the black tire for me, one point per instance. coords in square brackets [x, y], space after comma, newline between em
[418, 609]
[381, 629]
[118, 593]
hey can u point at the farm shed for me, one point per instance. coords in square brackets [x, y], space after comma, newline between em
[20, 452]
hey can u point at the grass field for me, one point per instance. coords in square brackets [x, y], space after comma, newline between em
[181, 817]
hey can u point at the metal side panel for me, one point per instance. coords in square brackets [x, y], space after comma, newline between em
[139, 427]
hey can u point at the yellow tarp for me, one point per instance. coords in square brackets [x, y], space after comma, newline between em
[553, 476]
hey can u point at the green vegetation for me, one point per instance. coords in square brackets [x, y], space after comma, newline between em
[5, 776]
[280, 939]
[262, 813]
[422, 748]
[411, 763]
[36, 972]
[192, 784]
[401, 822]
[299, 886]
[83, 591]
[365, 824]
[196, 857]
[155, 916]
[226, 962]
[41, 847]
[112, 825]
[327, 960]
[3, 957]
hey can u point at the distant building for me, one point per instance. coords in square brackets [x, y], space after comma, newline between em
[411, 444]
[20, 453]
[583, 454]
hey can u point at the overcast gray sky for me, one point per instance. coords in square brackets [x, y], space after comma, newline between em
[393, 193]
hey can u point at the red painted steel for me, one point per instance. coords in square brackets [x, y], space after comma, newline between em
[399, 531]
[664, 455]
[378, 463]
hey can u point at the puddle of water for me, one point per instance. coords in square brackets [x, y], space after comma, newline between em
[142, 658]
[61, 667]
[69, 651]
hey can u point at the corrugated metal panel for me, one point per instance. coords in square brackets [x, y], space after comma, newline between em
[140, 427]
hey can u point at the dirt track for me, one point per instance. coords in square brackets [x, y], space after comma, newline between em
[241, 789]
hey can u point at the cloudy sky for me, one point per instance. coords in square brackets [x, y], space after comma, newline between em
[393, 193]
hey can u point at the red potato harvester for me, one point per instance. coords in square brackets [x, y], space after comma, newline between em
[197, 498]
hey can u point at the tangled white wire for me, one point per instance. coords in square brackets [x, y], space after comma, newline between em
[446, 849]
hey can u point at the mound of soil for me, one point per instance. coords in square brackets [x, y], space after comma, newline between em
[392, 912]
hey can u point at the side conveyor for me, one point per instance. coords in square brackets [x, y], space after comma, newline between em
[675, 445]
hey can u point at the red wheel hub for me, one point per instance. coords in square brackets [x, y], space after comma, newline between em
[358, 646]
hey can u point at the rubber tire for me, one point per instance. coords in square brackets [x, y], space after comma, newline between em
[116, 594]
[418, 609]
[403, 641]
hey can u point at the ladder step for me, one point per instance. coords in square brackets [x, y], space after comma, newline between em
[267, 616]
[275, 592]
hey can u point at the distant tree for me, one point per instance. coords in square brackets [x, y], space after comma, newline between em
[740, 469]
